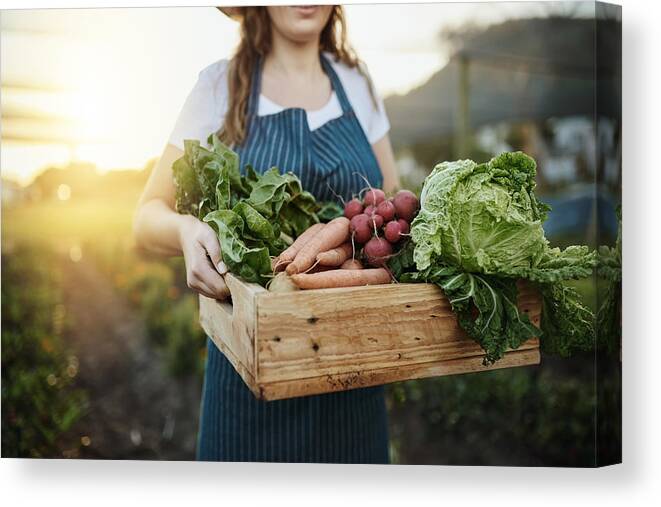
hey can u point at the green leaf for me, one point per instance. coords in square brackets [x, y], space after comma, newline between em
[256, 223]
[187, 190]
[223, 190]
[555, 265]
[567, 324]
[329, 210]
[251, 264]
[231, 162]
[609, 314]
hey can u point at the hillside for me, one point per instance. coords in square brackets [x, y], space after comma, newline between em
[520, 69]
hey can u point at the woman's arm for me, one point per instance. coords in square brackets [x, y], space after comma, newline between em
[160, 229]
[386, 159]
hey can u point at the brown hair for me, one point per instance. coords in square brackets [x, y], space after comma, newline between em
[255, 43]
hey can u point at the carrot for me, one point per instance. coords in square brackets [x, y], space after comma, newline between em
[288, 255]
[352, 264]
[336, 256]
[319, 268]
[332, 235]
[341, 278]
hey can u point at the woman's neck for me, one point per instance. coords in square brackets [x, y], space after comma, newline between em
[288, 58]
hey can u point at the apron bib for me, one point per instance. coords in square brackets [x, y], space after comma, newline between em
[343, 427]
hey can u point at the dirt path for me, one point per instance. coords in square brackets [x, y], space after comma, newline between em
[136, 409]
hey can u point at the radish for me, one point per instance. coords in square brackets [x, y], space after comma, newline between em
[406, 204]
[352, 208]
[377, 251]
[374, 196]
[377, 220]
[361, 228]
[387, 210]
[406, 228]
[393, 231]
[370, 210]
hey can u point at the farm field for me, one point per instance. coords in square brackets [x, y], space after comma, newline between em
[115, 332]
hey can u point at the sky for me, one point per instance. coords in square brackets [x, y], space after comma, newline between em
[106, 85]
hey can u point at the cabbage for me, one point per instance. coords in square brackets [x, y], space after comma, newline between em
[481, 218]
[485, 218]
[479, 229]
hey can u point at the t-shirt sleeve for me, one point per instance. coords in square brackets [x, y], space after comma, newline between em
[379, 124]
[371, 108]
[203, 110]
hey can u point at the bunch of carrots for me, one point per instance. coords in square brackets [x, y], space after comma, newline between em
[325, 255]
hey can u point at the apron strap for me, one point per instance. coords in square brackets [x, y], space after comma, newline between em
[336, 84]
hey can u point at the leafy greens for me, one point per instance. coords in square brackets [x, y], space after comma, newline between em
[255, 215]
[609, 313]
[478, 231]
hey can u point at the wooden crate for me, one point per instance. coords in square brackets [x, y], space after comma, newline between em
[300, 343]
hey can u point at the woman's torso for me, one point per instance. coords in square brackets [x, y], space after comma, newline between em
[332, 160]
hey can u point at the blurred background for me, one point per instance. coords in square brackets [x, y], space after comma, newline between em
[102, 356]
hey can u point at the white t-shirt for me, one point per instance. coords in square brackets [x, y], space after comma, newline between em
[206, 105]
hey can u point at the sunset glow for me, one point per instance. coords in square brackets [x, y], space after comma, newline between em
[106, 85]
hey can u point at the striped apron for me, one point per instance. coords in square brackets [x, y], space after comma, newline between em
[342, 427]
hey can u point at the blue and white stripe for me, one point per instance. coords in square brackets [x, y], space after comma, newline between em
[343, 427]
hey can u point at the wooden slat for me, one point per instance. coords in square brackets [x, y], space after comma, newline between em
[367, 378]
[329, 365]
[333, 331]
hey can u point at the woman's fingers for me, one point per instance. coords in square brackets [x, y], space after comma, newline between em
[201, 288]
[203, 277]
[210, 243]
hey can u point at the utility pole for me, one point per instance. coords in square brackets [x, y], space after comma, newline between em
[462, 108]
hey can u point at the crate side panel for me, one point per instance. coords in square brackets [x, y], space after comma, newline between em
[314, 333]
[232, 325]
[218, 326]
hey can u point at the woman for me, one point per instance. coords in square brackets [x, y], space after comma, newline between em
[295, 97]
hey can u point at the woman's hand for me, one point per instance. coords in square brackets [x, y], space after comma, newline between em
[204, 265]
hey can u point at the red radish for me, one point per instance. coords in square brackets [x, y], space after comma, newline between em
[393, 231]
[352, 208]
[404, 225]
[374, 196]
[387, 210]
[377, 251]
[406, 204]
[377, 220]
[370, 210]
[361, 228]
